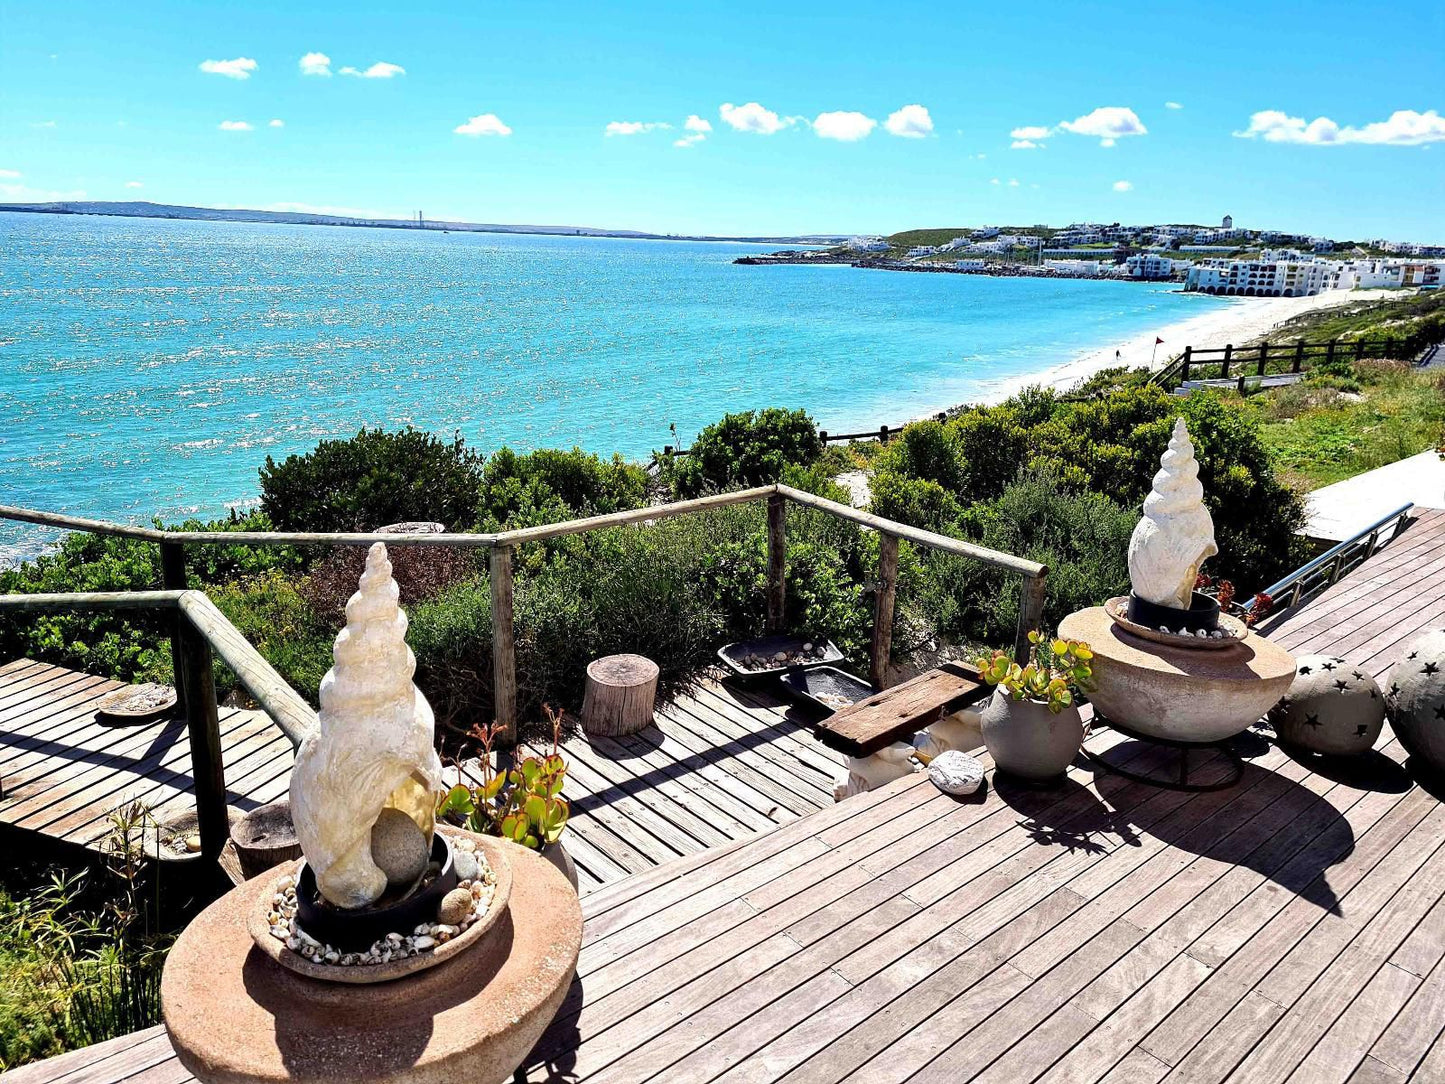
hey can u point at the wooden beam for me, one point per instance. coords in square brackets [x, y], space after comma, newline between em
[504, 650]
[635, 515]
[884, 597]
[916, 535]
[61, 602]
[777, 561]
[1031, 612]
[198, 695]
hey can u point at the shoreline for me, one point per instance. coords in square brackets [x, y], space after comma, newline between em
[1240, 321]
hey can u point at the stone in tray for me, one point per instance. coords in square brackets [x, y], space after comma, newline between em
[828, 687]
[777, 655]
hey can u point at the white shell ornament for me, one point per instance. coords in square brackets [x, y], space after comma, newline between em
[1176, 534]
[372, 749]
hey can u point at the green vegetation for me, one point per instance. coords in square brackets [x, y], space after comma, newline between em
[1333, 426]
[1417, 319]
[742, 450]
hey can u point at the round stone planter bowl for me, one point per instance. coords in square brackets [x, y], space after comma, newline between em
[1179, 694]
[1203, 613]
[1027, 740]
[355, 930]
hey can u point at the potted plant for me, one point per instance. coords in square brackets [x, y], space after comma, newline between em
[1031, 726]
[523, 804]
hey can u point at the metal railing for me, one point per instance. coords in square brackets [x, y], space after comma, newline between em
[201, 615]
[1328, 567]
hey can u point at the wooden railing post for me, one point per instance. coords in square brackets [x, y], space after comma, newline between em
[1228, 353]
[1299, 357]
[504, 650]
[1031, 613]
[173, 578]
[1329, 351]
[777, 561]
[882, 434]
[1263, 357]
[1359, 349]
[197, 689]
[1184, 364]
[883, 600]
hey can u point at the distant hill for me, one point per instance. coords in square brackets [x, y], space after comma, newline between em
[142, 209]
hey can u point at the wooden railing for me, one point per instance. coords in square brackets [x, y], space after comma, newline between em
[883, 434]
[1269, 357]
[211, 625]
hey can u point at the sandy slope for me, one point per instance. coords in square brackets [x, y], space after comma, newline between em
[1243, 319]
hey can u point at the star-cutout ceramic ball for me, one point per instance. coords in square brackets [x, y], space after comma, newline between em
[1333, 707]
[1415, 696]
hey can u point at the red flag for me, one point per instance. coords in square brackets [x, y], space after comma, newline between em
[1157, 340]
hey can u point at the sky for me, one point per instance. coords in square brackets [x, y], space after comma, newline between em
[745, 118]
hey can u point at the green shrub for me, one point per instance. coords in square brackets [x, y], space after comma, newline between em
[373, 479]
[275, 618]
[549, 485]
[745, 449]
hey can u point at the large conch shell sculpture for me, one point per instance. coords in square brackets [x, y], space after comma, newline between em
[1176, 534]
[372, 750]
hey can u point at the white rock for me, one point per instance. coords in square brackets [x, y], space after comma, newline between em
[424, 942]
[466, 865]
[955, 773]
[1176, 533]
[373, 747]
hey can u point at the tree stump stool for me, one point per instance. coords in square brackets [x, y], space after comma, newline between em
[265, 837]
[620, 693]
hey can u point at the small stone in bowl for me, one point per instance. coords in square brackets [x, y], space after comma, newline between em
[456, 905]
[398, 847]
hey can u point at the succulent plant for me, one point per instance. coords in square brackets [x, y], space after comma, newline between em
[523, 804]
[1055, 671]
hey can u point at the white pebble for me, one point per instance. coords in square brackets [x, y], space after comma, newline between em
[424, 942]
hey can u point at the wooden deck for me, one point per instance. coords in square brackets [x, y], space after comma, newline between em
[1289, 928]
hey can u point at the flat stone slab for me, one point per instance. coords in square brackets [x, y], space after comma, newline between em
[236, 1016]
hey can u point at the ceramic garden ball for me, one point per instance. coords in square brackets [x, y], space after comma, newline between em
[1332, 707]
[1416, 699]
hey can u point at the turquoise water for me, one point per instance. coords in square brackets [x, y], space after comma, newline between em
[149, 366]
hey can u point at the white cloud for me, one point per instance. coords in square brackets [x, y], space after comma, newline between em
[234, 126]
[240, 68]
[752, 117]
[633, 127]
[848, 127]
[483, 124]
[1404, 128]
[995, 180]
[1123, 186]
[275, 122]
[689, 140]
[1013, 183]
[1031, 132]
[134, 184]
[694, 123]
[1107, 123]
[10, 174]
[43, 124]
[380, 70]
[1026, 145]
[1172, 105]
[315, 64]
[910, 122]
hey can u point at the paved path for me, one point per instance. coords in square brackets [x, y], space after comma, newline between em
[1344, 509]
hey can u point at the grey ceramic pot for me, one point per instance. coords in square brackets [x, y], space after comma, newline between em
[1029, 741]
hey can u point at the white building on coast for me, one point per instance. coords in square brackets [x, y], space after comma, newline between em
[1290, 273]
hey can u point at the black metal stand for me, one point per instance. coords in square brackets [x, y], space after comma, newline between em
[1236, 762]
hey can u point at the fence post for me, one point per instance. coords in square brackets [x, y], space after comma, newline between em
[504, 650]
[1359, 349]
[882, 434]
[1329, 351]
[1184, 364]
[823, 435]
[777, 561]
[1299, 357]
[1228, 353]
[198, 694]
[883, 599]
[1031, 613]
[1263, 357]
[1389, 351]
[173, 578]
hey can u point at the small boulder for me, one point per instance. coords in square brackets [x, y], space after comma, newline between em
[466, 865]
[1332, 707]
[455, 907]
[956, 773]
[398, 847]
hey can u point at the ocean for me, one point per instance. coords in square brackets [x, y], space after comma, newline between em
[148, 366]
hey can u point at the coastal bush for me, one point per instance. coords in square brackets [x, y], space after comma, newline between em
[549, 485]
[750, 448]
[373, 479]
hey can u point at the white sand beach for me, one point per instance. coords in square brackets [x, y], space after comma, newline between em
[1239, 321]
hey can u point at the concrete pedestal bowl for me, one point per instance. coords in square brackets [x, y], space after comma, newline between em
[236, 1016]
[1176, 693]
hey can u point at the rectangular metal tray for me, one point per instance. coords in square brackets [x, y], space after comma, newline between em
[732, 655]
[812, 685]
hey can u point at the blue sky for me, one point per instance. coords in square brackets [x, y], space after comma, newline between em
[1343, 103]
